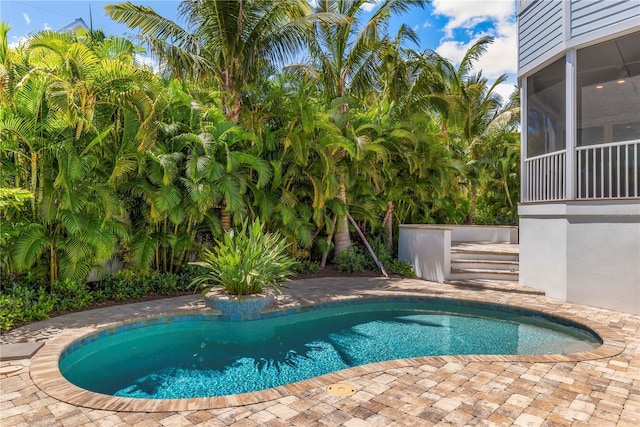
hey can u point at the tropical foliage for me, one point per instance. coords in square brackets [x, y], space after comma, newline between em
[295, 115]
[245, 261]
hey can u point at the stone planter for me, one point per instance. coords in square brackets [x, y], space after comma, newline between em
[232, 308]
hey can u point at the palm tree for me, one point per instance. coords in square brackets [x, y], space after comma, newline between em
[345, 60]
[344, 56]
[60, 120]
[199, 164]
[297, 138]
[470, 110]
[230, 42]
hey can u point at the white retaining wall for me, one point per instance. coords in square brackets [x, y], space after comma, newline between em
[428, 247]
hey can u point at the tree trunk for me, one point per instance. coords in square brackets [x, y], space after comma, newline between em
[53, 270]
[342, 238]
[225, 219]
[472, 211]
[34, 186]
[329, 238]
[233, 110]
[231, 103]
[225, 216]
[388, 225]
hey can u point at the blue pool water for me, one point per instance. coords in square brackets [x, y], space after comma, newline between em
[200, 356]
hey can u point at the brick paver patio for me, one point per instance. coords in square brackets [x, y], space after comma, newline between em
[599, 388]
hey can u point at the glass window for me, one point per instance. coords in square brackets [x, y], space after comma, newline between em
[626, 132]
[608, 98]
[609, 91]
[546, 110]
[590, 136]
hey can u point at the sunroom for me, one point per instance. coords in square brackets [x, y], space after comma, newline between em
[580, 196]
[587, 104]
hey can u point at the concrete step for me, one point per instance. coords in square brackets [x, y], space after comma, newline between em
[484, 261]
[458, 255]
[484, 264]
[482, 273]
[485, 251]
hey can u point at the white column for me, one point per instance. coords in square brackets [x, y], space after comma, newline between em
[570, 125]
[524, 176]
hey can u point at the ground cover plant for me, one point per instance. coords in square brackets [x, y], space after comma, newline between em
[22, 301]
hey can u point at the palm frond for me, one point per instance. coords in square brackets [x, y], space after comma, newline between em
[30, 246]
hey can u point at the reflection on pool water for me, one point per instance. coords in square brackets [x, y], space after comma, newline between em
[199, 355]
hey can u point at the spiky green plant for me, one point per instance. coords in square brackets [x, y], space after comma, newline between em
[245, 261]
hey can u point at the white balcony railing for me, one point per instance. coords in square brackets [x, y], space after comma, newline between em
[545, 177]
[608, 170]
[601, 171]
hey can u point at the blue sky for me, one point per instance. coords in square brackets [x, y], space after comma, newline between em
[446, 26]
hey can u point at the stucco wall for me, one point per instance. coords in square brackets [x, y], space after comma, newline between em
[605, 262]
[428, 249]
[586, 252]
[543, 255]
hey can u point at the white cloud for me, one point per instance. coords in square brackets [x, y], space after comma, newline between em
[16, 41]
[370, 5]
[26, 18]
[469, 13]
[501, 55]
[46, 26]
[505, 90]
[453, 50]
[149, 61]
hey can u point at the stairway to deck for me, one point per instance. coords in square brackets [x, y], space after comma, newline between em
[484, 261]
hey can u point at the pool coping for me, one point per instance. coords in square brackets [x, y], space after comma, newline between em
[47, 377]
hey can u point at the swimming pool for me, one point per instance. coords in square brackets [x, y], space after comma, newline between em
[197, 355]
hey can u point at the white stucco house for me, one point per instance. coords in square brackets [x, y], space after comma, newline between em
[579, 77]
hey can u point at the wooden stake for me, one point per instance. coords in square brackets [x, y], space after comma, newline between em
[364, 240]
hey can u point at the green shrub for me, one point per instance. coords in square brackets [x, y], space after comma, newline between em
[27, 302]
[306, 267]
[125, 285]
[391, 264]
[381, 251]
[402, 268]
[296, 252]
[245, 261]
[101, 295]
[11, 311]
[351, 260]
[20, 303]
[166, 284]
[70, 295]
[187, 275]
[128, 284]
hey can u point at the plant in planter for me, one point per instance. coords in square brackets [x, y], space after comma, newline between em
[245, 262]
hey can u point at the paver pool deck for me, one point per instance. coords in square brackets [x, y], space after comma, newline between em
[599, 388]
